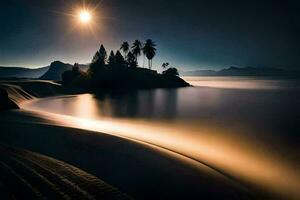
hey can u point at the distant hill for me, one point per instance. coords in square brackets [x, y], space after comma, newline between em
[55, 71]
[57, 68]
[20, 72]
[244, 71]
[52, 72]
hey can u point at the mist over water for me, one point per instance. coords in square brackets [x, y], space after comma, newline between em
[246, 127]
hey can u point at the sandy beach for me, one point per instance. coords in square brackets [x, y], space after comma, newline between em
[24, 173]
[138, 169]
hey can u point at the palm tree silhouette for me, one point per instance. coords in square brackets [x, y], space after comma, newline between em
[165, 65]
[149, 50]
[125, 48]
[136, 49]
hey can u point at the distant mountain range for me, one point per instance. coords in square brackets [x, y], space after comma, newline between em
[19, 72]
[244, 71]
[52, 72]
[55, 69]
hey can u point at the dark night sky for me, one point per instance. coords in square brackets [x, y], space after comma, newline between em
[190, 34]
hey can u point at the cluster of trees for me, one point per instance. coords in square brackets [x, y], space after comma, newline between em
[148, 49]
[73, 75]
[109, 70]
[129, 57]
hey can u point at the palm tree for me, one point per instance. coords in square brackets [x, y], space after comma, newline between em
[144, 55]
[149, 50]
[136, 49]
[125, 48]
[165, 65]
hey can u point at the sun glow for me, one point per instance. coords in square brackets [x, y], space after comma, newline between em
[85, 16]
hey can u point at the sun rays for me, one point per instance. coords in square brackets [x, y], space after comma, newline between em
[84, 19]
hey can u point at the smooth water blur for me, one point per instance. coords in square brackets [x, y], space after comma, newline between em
[234, 82]
[246, 127]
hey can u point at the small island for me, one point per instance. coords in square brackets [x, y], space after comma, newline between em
[118, 71]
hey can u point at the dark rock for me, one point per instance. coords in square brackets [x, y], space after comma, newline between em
[5, 102]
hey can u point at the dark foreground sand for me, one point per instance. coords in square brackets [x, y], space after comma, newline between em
[28, 175]
[140, 170]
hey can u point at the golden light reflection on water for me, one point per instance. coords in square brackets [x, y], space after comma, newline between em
[232, 82]
[86, 107]
[240, 157]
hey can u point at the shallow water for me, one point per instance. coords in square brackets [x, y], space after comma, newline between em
[245, 127]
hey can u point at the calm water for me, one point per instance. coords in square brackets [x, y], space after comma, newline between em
[246, 127]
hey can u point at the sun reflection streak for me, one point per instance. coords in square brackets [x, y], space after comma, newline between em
[85, 107]
[232, 83]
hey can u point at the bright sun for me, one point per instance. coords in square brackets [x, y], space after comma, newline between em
[85, 16]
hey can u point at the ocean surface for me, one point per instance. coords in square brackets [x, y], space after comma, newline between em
[247, 127]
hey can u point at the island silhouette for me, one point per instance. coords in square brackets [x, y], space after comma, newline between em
[104, 74]
[118, 71]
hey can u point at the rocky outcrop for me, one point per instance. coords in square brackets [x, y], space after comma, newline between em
[5, 102]
[56, 70]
